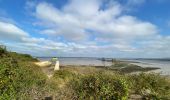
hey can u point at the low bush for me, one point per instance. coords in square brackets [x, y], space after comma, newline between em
[100, 86]
[20, 79]
[112, 86]
[8, 74]
[63, 74]
[151, 85]
[22, 57]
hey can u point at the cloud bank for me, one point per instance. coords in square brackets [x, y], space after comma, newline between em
[88, 28]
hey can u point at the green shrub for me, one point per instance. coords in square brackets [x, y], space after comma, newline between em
[30, 81]
[8, 68]
[151, 85]
[63, 74]
[100, 86]
[22, 57]
[20, 79]
[2, 51]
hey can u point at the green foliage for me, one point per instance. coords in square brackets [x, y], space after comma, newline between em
[152, 86]
[100, 86]
[8, 68]
[22, 57]
[63, 74]
[20, 78]
[2, 51]
[107, 85]
[30, 80]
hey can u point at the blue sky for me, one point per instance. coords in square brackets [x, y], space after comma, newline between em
[86, 28]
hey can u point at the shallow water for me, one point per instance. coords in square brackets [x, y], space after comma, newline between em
[80, 61]
[163, 65]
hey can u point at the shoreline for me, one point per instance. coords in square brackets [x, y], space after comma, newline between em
[121, 66]
[128, 69]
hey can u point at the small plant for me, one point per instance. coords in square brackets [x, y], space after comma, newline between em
[63, 74]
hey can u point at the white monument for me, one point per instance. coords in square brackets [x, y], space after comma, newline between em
[56, 64]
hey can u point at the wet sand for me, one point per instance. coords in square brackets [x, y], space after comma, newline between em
[163, 65]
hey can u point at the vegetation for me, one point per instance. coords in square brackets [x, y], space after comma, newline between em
[151, 86]
[22, 57]
[2, 51]
[20, 79]
[100, 86]
[109, 85]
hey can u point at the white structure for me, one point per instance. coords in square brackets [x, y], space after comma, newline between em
[55, 63]
[56, 66]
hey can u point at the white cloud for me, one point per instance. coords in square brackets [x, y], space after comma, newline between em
[49, 32]
[19, 40]
[87, 28]
[78, 20]
[78, 16]
[10, 31]
[157, 46]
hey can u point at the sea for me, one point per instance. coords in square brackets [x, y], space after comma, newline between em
[163, 64]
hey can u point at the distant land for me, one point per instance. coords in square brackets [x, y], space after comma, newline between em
[109, 58]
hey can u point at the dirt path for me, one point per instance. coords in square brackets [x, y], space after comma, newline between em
[47, 67]
[49, 71]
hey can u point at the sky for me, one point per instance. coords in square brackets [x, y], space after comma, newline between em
[86, 28]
